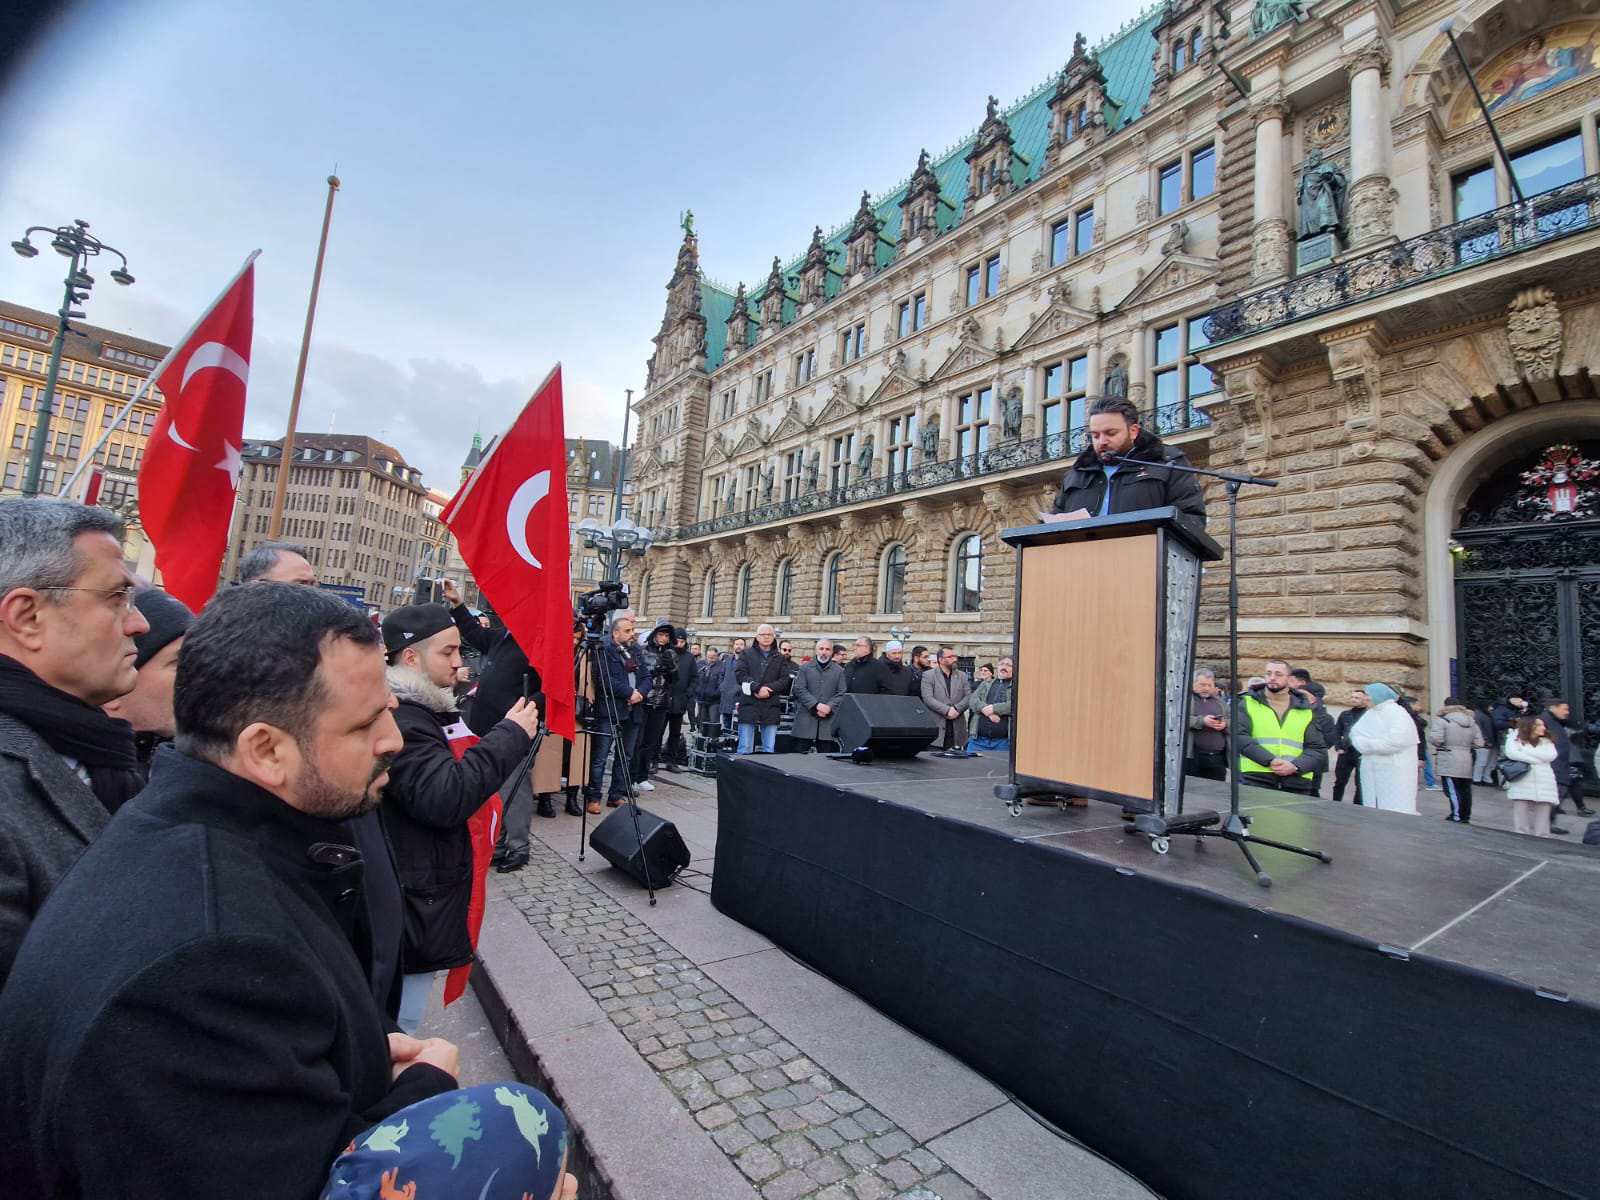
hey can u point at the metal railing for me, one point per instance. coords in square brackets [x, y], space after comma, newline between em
[997, 460]
[1560, 212]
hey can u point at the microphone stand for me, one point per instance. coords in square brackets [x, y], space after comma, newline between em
[1234, 828]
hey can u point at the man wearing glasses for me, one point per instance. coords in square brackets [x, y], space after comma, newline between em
[67, 629]
[277, 562]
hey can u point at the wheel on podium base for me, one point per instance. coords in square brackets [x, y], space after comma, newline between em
[1016, 808]
[1160, 845]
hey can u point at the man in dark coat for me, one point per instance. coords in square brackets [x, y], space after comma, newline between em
[730, 686]
[67, 629]
[619, 711]
[443, 775]
[1348, 767]
[708, 691]
[676, 753]
[188, 1014]
[1115, 473]
[818, 684]
[896, 677]
[1569, 775]
[763, 677]
[862, 674]
[1208, 728]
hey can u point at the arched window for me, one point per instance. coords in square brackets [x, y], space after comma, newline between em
[893, 593]
[833, 583]
[644, 594]
[709, 608]
[741, 607]
[967, 594]
[785, 591]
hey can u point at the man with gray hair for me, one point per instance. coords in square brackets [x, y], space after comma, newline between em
[818, 684]
[1208, 728]
[277, 562]
[67, 629]
[763, 678]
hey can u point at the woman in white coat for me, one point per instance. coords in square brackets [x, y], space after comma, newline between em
[1386, 736]
[1535, 795]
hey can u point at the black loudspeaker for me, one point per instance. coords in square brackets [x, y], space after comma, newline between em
[663, 846]
[889, 726]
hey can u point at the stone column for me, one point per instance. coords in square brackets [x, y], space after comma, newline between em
[1370, 207]
[1138, 366]
[1270, 239]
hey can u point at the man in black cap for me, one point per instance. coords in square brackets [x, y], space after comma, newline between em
[443, 775]
[148, 708]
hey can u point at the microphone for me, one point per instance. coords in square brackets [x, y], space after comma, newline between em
[1112, 459]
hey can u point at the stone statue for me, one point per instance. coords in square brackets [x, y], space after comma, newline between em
[1320, 195]
[928, 439]
[1116, 381]
[992, 110]
[814, 471]
[1080, 46]
[1267, 15]
[865, 457]
[688, 222]
[768, 477]
[1011, 417]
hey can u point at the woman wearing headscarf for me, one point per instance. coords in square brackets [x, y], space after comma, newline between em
[1535, 793]
[1386, 736]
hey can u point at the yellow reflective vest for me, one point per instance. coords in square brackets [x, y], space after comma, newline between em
[1281, 740]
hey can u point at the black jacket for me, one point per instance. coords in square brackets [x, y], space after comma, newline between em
[1505, 719]
[898, 679]
[1312, 758]
[1133, 487]
[188, 1012]
[426, 807]
[709, 688]
[1342, 731]
[613, 686]
[864, 676]
[683, 685]
[501, 677]
[1562, 737]
[754, 672]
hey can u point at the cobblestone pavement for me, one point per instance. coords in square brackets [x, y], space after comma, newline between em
[790, 1127]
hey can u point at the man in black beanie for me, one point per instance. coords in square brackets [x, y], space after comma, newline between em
[148, 708]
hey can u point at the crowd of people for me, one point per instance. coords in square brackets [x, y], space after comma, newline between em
[1386, 749]
[233, 852]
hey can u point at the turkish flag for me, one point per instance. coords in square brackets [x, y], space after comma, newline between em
[510, 522]
[190, 472]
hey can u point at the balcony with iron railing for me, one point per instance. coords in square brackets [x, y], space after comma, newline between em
[1168, 421]
[1469, 248]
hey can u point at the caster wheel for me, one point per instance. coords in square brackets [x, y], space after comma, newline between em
[1016, 808]
[1327, 858]
[1264, 879]
[1160, 845]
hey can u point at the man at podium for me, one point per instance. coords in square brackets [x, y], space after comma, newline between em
[1114, 476]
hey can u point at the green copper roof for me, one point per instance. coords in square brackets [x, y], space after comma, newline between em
[1126, 58]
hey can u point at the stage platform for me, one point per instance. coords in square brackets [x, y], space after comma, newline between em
[1416, 1018]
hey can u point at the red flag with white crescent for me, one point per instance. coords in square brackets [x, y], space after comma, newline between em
[483, 827]
[190, 473]
[510, 521]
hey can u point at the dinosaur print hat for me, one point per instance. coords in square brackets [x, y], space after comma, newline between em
[497, 1141]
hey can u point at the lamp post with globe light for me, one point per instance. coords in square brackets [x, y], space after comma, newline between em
[615, 542]
[78, 244]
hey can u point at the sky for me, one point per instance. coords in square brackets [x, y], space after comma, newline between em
[513, 175]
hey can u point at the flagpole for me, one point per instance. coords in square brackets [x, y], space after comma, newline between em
[622, 461]
[149, 381]
[275, 522]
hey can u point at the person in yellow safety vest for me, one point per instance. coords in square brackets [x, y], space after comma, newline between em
[1279, 743]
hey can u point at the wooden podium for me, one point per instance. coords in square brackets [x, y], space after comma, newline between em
[1107, 610]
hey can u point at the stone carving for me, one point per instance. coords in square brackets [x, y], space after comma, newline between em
[899, 363]
[1011, 414]
[768, 480]
[1534, 330]
[1267, 15]
[928, 440]
[814, 470]
[1177, 239]
[1036, 263]
[865, 457]
[1116, 381]
[1371, 209]
[1269, 253]
[1320, 195]
[1374, 56]
[970, 330]
[1142, 210]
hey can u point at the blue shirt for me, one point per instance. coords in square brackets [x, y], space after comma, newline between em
[1105, 505]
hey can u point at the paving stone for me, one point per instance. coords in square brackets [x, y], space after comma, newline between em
[830, 1168]
[891, 1144]
[950, 1186]
[858, 1155]
[795, 1150]
[873, 1121]
[843, 1102]
[758, 1163]
[868, 1187]
[791, 1185]
[847, 1129]
[666, 1060]
[716, 1070]
[716, 1116]
[900, 1173]
[733, 1085]
[749, 1106]
[733, 1139]
[761, 1128]
[824, 1138]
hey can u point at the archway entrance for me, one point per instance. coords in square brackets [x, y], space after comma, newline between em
[1527, 581]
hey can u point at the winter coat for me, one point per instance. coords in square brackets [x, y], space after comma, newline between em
[48, 817]
[1342, 726]
[1454, 735]
[709, 688]
[941, 693]
[1387, 739]
[430, 797]
[1202, 737]
[898, 678]
[1133, 487]
[1325, 725]
[683, 684]
[755, 671]
[1313, 754]
[1505, 718]
[978, 725]
[188, 1016]
[864, 676]
[501, 677]
[730, 683]
[816, 683]
[1562, 737]
[661, 668]
[1539, 784]
[614, 685]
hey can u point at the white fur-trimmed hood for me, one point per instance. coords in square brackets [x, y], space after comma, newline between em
[412, 686]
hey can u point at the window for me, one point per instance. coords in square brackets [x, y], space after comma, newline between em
[1180, 55]
[972, 422]
[708, 606]
[1202, 172]
[1189, 178]
[805, 365]
[752, 485]
[839, 471]
[763, 390]
[1171, 187]
[785, 589]
[597, 506]
[902, 437]
[833, 583]
[853, 343]
[983, 279]
[913, 314]
[1179, 378]
[1066, 386]
[893, 595]
[967, 594]
[1072, 235]
[794, 465]
[741, 601]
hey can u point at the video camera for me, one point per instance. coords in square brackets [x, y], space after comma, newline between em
[593, 606]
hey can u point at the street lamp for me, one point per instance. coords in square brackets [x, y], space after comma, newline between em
[615, 542]
[77, 243]
[901, 634]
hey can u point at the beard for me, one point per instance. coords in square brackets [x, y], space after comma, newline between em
[321, 797]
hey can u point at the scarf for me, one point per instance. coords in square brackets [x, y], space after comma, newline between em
[74, 729]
